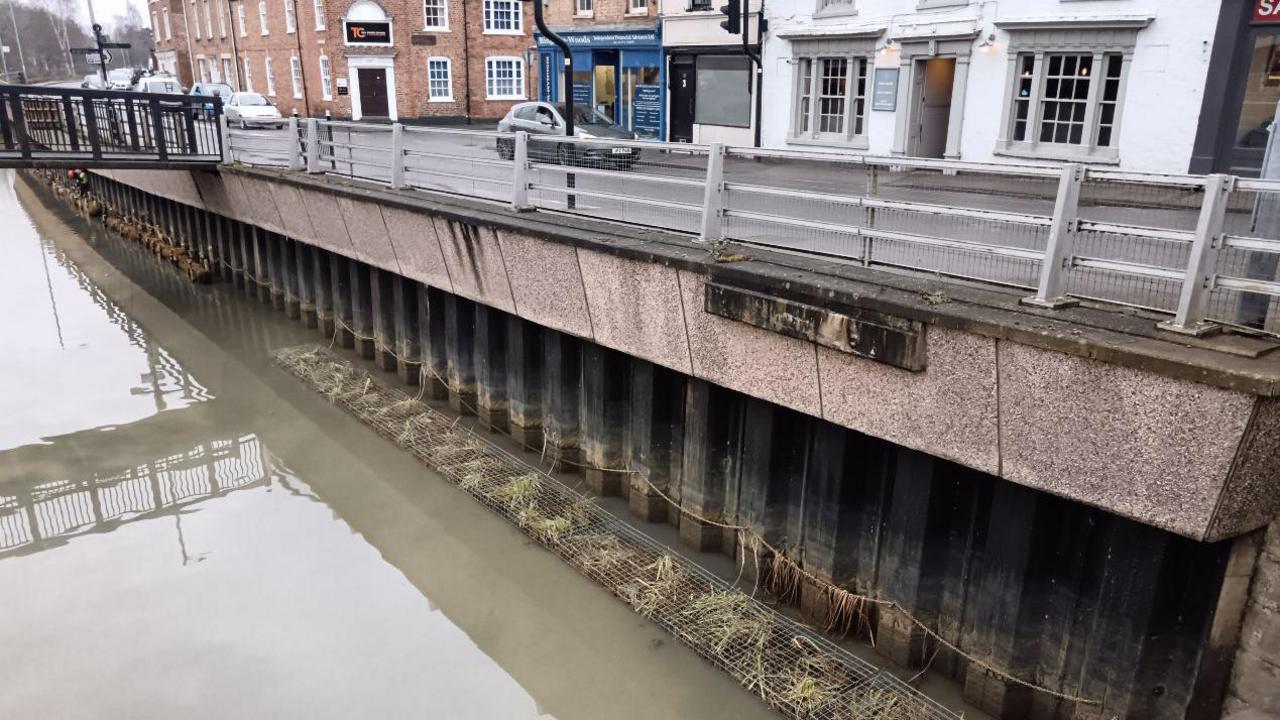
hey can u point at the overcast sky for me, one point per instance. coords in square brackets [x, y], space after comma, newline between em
[106, 10]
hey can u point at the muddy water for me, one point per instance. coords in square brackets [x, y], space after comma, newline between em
[186, 532]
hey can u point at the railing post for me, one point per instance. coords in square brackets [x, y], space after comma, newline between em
[91, 128]
[20, 125]
[713, 199]
[157, 120]
[520, 175]
[295, 152]
[1051, 291]
[397, 155]
[224, 130]
[1203, 262]
[313, 145]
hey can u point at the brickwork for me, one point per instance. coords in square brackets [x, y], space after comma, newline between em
[566, 13]
[1255, 677]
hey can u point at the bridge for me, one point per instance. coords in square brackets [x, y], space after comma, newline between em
[59, 127]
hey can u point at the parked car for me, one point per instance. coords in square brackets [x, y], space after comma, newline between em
[93, 81]
[166, 84]
[221, 90]
[248, 109]
[541, 118]
[122, 78]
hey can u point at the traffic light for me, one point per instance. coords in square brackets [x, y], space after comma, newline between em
[732, 12]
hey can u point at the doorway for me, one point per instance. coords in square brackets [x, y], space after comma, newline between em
[683, 87]
[931, 108]
[372, 84]
[1258, 92]
[605, 83]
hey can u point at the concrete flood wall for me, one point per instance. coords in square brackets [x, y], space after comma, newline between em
[940, 478]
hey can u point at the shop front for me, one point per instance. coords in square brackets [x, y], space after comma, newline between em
[1242, 91]
[617, 73]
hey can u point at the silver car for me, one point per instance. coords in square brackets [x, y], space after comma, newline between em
[543, 118]
[248, 109]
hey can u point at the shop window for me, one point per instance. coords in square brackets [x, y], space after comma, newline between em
[435, 15]
[326, 90]
[290, 18]
[319, 5]
[722, 95]
[831, 99]
[503, 16]
[295, 76]
[439, 79]
[1262, 92]
[504, 78]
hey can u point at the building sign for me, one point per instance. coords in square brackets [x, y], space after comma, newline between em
[1266, 11]
[885, 93]
[368, 33]
[582, 94]
[547, 74]
[621, 39]
[646, 108]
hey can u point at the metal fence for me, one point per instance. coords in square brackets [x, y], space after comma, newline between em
[1203, 250]
[68, 127]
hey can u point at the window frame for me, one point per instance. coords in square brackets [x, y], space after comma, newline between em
[222, 18]
[248, 74]
[517, 62]
[448, 73]
[855, 114]
[326, 78]
[642, 10]
[584, 8]
[194, 16]
[229, 75]
[241, 19]
[489, 7]
[834, 8]
[269, 74]
[443, 13]
[208, 19]
[318, 6]
[262, 18]
[290, 17]
[295, 76]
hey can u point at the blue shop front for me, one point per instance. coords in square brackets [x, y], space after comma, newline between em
[616, 71]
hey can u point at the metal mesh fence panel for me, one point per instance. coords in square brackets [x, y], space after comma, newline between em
[475, 164]
[792, 668]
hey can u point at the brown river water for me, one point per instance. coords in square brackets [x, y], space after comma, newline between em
[187, 532]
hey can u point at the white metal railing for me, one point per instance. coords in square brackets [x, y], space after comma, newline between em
[1205, 250]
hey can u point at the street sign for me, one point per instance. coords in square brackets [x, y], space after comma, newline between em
[117, 46]
[95, 59]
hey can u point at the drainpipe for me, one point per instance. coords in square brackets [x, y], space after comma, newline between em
[302, 64]
[466, 61]
[760, 23]
[568, 64]
[235, 46]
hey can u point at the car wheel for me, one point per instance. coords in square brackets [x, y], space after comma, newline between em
[564, 154]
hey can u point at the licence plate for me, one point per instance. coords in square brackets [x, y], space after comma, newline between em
[620, 151]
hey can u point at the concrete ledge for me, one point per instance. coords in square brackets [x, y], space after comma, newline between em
[1089, 403]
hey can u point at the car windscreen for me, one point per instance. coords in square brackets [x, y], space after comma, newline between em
[586, 116]
[252, 100]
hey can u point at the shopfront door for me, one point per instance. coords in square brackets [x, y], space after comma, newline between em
[373, 92]
[1257, 101]
[604, 95]
[683, 84]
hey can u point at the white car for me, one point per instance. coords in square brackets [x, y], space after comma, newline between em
[248, 109]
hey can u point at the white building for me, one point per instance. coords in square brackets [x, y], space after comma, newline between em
[708, 75]
[1098, 81]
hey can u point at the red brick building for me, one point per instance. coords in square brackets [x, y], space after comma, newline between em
[362, 59]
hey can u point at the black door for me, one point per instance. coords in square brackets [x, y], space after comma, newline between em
[683, 86]
[373, 92]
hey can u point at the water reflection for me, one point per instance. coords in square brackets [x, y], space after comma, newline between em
[74, 355]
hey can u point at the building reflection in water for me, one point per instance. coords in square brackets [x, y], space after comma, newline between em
[37, 516]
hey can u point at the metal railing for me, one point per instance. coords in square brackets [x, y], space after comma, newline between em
[1202, 250]
[72, 127]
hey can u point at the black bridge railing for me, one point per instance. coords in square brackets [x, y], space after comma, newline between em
[72, 127]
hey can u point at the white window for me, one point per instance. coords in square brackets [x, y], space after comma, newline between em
[439, 79]
[208, 19]
[168, 28]
[503, 16]
[319, 4]
[262, 16]
[295, 75]
[584, 8]
[325, 90]
[248, 75]
[204, 69]
[290, 20]
[831, 99]
[435, 14]
[503, 78]
[271, 77]
[155, 25]
[638, 7]
[228, 75]
[835, 7]
[1079, 99]
[222, 18]
[195, 20]
[240, 19]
